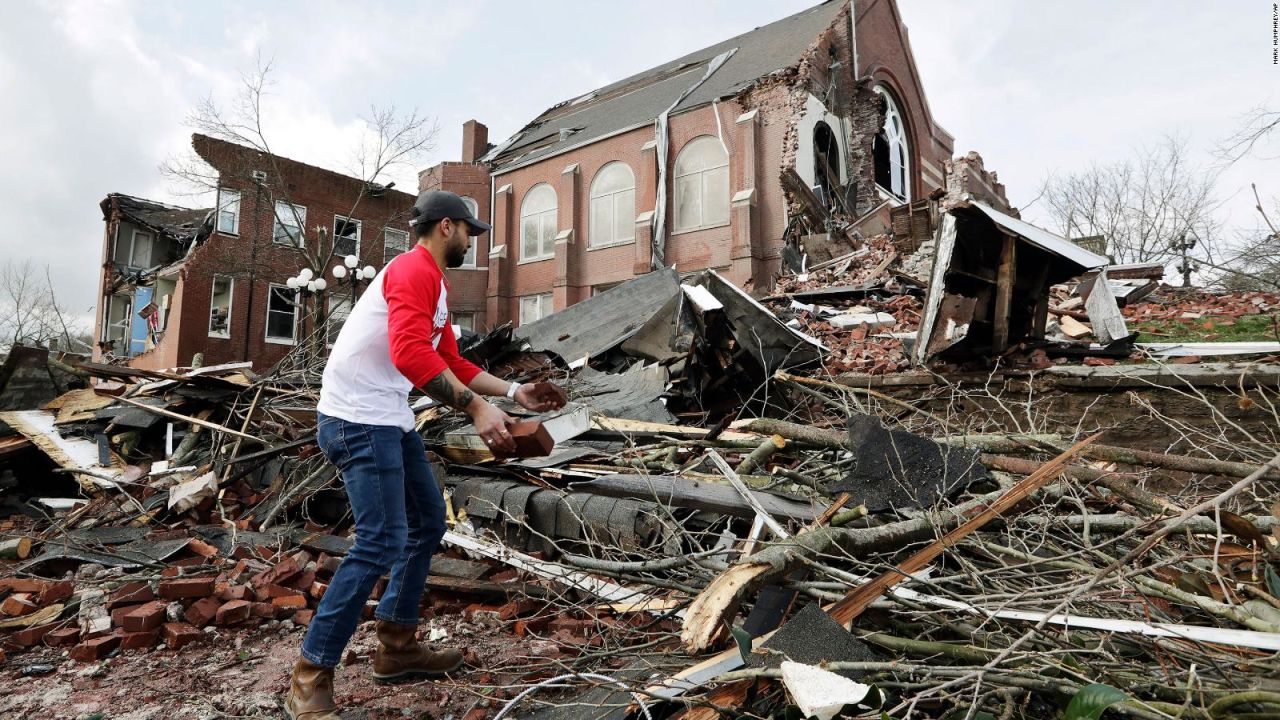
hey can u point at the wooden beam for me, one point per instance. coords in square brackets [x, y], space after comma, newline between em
[1004, 293]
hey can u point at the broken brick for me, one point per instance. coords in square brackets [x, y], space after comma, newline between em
[304, 617]
[283, 572]
[234, 592]
[63, 637]
[202, 548]
[290, 602]
[18, 605]
[22, 585]
[233, 612]
[303, 582]
[130, 594]
[262, 610]
[145, 617]
[318, 589]
[202, 612]
[186, 588]
[265, 593]
[55, 592]
[177, 635]
[28, 637]
[143, 640]
[95, 649]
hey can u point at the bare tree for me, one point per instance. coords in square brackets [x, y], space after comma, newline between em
[1156, 206]
[391, 139]
[30, 313]
[1255, 136]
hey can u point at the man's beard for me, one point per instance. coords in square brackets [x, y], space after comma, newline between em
[455, 255]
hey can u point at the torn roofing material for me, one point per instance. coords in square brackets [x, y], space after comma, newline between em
[176, 222]
[593, 326]
[638, 100]
[1043, 239]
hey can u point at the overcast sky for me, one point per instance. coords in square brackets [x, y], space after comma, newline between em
[95, 94]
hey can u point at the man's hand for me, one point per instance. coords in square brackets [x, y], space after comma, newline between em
[540, 397]
[491, 425]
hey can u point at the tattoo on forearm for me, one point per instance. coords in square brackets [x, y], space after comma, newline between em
[441, 389]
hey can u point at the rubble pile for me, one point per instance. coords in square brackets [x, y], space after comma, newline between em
[731, 517]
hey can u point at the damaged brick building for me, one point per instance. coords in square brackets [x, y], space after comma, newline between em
[177, 282]
[680, 164]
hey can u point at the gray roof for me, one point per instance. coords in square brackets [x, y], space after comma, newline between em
[177, 222]
[639, 99]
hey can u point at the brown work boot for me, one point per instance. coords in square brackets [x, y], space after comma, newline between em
[310, 693]
[399, 656]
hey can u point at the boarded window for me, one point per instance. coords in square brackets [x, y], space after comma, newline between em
[474, 207]
[465, 320]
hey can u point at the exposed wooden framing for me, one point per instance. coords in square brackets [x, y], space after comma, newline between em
[1004, 293]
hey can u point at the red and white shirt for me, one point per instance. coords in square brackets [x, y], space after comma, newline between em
[397, 337]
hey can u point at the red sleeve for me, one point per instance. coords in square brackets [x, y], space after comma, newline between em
[412, 295]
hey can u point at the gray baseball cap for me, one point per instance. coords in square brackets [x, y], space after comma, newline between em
[440, 204]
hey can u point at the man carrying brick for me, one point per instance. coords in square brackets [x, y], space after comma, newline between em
[397, 337]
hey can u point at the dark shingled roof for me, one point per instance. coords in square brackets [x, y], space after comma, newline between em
[641, 98]
[176, 222]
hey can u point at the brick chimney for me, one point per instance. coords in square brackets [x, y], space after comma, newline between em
[475, 141]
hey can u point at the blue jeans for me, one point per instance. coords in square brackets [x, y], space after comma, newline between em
[399, 516]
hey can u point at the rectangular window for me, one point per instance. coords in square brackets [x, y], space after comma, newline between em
[140, 253]
[282, 315]
[535, 307]
[346, 236]
[394, 242]
[465, 320]
[228, 211]
[220, 308]
[289, 221]
[339, 309]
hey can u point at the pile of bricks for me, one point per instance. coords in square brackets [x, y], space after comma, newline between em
[252, 586]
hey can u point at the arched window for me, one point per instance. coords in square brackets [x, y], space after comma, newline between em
[701, 185]
[474, 207]
[613, 206]
[890, 151]
[538, 223]
[826, 160]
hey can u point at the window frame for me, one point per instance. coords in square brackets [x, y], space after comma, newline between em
[300, 217]
[133, 247]
[542, 299]
[231, 296]
[222, 204]
[266, 330]
[471, 316]
[902, 140]
[702, 175]
[343, 299]
[612, 197]
[542, 216]
[408, 244]
[359, 233]
[470, 260]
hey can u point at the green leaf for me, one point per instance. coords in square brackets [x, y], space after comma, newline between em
[744, 641]
[1273, 582]
[1091, 700]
